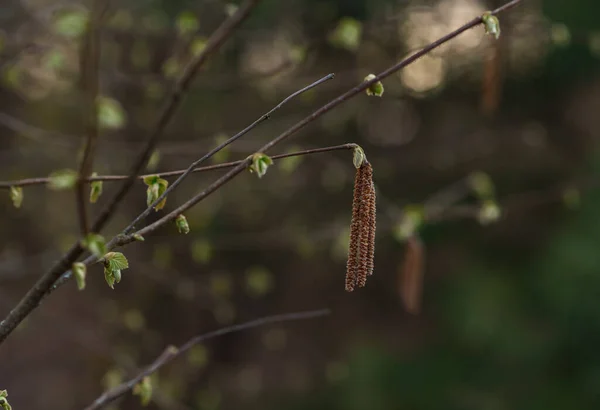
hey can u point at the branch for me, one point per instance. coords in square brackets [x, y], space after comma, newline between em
[224, 165]
[172, 352]
[208, 155]
[33, 297]
[90, 72]
[315, 115]
[173, 102]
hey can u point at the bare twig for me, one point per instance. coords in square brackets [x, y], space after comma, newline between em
[224, 165]
[33, 297]
[90, 77]
[172, 352]
[212, 152]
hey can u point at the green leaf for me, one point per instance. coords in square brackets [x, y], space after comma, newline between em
[259, 281]
[182, 224]
[260, 163]
[95, 244]
[156, 187]
[482, 185]
[116, 261]
[16, 195]
[230, 9]
[358, 157]
[4, 401]
[491, 24]
[154, 160]
[110, 278]
[375, 89]
[95, 189]
[347, 34]
[111, 114]
[489, 212]
[63, 179]
[71, 23]
[144, 390]
[138, 237]
[198, 45]
[412, 219]
[79, 271]
[187, 23]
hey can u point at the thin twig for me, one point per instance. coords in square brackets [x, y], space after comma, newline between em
[172, 352]
[224, 165]
[33, 297]
[298, 126]
[212, 152]
[90, 77]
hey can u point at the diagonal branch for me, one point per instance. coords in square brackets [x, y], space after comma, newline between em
[315, 115]
[208, 155]
[90, 72]
[172, 352]
[33, 297]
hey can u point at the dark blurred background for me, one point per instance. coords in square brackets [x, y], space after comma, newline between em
[510, 315]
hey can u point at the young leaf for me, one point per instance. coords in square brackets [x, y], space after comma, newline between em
[412, 219]
[110, 278]
[347, 34]
[71, 23]
[116, 261]
[16, 195]
[491, 24]
[63, 179]
[482, 185]
[489, 212]
[358, 157]
[111, 114]
[156, 187]
[4, 401]
[260, 163]
[182, 224]
[95, 244]
[187, 23]
[375, 89]
[95, 189]
[144, 390]
[153, 161]
[138, 237]
[79, 271]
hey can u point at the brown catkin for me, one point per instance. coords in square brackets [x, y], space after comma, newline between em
[372, 225]
[362, 229]
[352, 265]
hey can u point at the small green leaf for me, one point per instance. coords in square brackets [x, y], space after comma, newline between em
[182, 224]
[230, 9]
[95, 189]
[412, 219]
[154, 160]
[156, 187]
[71, 23]
[482, 185]
[347, 34]
[144, 390]
[489, 212]
[260, 163]
[187, 23]
[16, 195]
[4, 401]
[491, 24]
[358, 157]
[375, 89]
[63, 179]
[95, 244]
[138, 237]
[111, 114]
[116, 261]
[198, 45]
[79, 271]
[110, 278]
